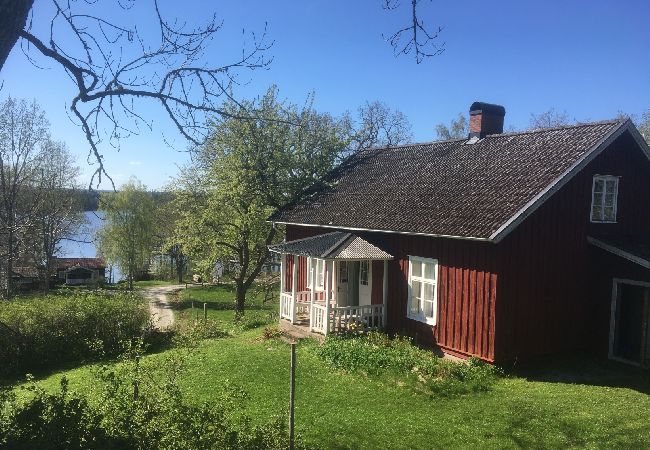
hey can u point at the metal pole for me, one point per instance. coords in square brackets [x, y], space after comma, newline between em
[205, 312]
[292, 396]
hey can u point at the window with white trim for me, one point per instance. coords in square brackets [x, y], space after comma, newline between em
[423, 292]
[319, 267]
[604, 193]
[364, 268]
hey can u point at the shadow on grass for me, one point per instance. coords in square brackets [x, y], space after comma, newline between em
[157, 342]
[584, 370]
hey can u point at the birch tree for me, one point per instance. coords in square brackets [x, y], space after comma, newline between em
[23, 133]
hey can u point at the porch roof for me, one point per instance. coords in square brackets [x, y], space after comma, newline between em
[636, 250]
[336, 245]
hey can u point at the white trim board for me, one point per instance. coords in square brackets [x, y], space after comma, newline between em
[616, 282]
[619, 252]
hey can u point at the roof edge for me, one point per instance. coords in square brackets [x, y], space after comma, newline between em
[338, 244]
[409, 233]
[537, 201]
[618, 252]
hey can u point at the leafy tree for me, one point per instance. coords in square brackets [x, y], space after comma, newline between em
[458, 128]
[248, 169]
[126, 238]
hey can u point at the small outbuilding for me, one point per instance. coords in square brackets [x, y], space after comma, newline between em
[78, 271]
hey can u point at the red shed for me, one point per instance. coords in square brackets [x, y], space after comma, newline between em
[503, 246]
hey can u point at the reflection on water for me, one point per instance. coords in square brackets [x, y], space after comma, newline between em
[85, 244]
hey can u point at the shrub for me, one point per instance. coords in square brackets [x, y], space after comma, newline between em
[192, 330]
[254, 319]
[272, 332]
[43, 332]
[138, 404]
[376, 353]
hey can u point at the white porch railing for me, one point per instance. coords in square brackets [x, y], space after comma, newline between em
[318, 318]
[364, 317]
[341, 318]
[286, 306]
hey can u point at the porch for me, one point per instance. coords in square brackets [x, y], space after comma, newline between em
[327, 283]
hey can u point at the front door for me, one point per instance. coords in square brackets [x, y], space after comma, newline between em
[631, 333]
[365, 282]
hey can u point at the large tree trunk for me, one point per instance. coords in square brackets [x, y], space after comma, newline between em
[13, 17]
[240, 297]
[10, 262]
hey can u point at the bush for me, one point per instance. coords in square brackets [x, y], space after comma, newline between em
[376, 354]
[43, 332]
[272, 332]
[138, 404]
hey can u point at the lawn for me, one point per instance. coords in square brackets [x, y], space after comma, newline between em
[570, 405]
[220, 304]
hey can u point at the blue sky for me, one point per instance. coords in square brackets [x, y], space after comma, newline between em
[588, 58]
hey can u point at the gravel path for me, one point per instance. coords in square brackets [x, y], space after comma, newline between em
[161, 309]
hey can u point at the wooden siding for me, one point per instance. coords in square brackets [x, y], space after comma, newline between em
[467, 285]
[555, 288]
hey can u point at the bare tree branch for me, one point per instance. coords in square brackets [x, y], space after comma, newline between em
[415, 37]
[114, 67]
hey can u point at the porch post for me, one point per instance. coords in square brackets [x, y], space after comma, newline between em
[312, 294]
[384, 309]
[283, 272]
[294, 288]
[328, 294]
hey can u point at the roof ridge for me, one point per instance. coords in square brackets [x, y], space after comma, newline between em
[337, 244]
[560, 127]
[510, 133]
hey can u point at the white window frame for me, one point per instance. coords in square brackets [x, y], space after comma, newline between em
[604, 179]
[423, 281]
[366, 272]
[320, 274]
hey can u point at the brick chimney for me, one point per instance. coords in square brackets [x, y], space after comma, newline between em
[484, 119]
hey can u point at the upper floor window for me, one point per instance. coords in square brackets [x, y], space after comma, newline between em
[604, 195]
[423, 282]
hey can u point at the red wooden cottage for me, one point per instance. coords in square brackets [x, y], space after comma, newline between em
[503, 246]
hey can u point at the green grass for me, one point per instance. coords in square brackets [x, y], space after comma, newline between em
[573, 405]
[220, 301]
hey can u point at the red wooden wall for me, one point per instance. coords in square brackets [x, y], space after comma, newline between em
[466, 289]
[555, 289]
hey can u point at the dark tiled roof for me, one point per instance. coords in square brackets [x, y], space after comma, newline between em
[636, 249]
[447, 188]
[88, 263]
[336, 245]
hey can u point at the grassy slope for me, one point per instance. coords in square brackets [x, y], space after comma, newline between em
[339, 410]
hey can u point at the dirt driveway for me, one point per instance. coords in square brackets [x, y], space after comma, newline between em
[159, 305]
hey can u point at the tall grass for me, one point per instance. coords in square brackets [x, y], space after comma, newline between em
[43, 332]
[378, 354]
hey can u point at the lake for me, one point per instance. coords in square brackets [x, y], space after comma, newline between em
[87, 248]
